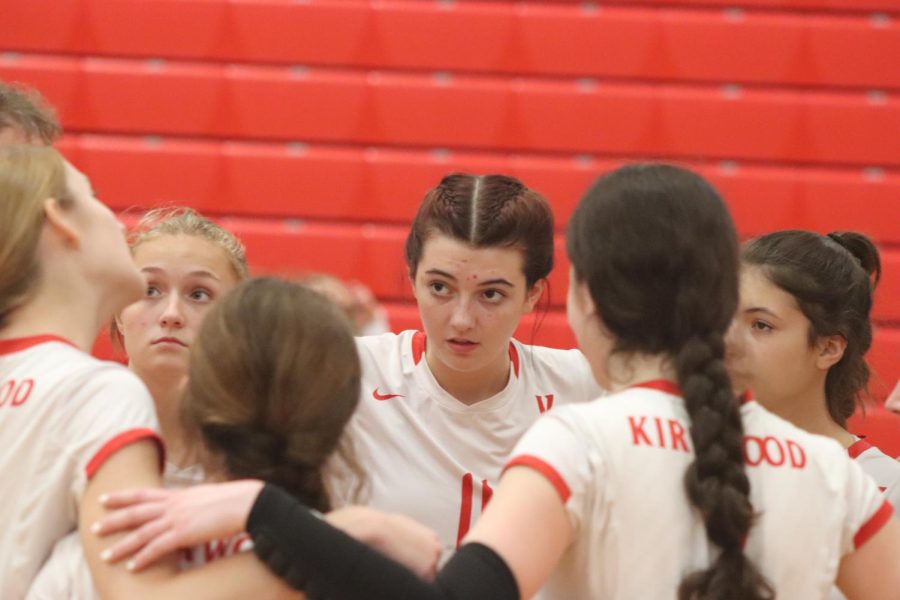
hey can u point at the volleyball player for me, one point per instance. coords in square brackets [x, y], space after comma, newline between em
[801, 333]
[441, 409]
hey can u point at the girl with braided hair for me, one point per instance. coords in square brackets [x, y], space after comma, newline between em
[668, 487]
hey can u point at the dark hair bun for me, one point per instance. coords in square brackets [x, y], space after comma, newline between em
[863, 249]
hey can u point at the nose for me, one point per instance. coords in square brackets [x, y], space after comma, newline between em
[734, 342]
[172, 314]
[462, 319]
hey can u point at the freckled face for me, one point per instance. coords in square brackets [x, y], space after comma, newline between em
[184, 276]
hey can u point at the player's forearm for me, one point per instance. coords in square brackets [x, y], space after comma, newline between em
[236, 577]
[312, 555]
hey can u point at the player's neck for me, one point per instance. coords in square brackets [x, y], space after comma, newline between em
[54, 312]
[471, 387]
[167, 390]
[809, 412]
[626, 370]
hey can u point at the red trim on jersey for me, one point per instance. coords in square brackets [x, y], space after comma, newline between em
[120, 441]
[418, 346]
[514, 359]
[858, 447]
[538, 464]
[663, 385]
[19, 344]
[873, 525]
[746, 398]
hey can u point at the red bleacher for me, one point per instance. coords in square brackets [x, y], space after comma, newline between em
[318, 125]
[557, 39]
[281, 103]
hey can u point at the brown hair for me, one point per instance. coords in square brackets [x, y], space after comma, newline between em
[486, 211]
[274, 380]
[29, 175]
[26, 109]
[832, 278]
[181, 220]
[658, 251]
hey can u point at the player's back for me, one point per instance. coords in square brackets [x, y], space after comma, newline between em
[62, 414]
[621, 461]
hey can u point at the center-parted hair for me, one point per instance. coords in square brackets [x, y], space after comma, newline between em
[658, 251]
[832, 277]
[274, 380]
[486, 211]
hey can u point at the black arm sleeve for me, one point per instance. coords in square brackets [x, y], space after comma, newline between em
[324, 562]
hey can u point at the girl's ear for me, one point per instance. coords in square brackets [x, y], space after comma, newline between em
[830, 350]
[60, 222]
[533, 295]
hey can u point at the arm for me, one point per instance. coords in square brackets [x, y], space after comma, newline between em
[237, 577]
[872, 571]
[309, 553]
[165, 520]
[511, 551]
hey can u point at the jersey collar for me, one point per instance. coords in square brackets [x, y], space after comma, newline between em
[661, 385]
[670, 387]
[426, 382]
[18, 344]
[858, 447]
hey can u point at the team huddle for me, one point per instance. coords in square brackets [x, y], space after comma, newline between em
[694, 446]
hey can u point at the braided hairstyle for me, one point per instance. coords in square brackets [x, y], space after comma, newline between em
[832, 277]
[658, 251]
[274, 379]
[486, 211]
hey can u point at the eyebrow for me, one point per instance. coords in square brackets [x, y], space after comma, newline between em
[497, 281]
[194, 273]
[761, 309]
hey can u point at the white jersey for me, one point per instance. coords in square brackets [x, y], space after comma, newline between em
[63, 413]
[880, 467]
[618, 465]
[433, 458]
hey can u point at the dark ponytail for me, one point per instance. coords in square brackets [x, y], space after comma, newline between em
[832, 278]
[658, 251]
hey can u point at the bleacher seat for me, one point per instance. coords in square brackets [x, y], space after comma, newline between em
[386, 184]
[417, 110]
[684, 43]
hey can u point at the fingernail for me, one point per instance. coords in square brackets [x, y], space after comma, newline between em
[130, 566]
[95, 528]
[106, 554]
[104, 498]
